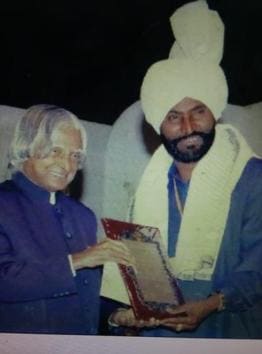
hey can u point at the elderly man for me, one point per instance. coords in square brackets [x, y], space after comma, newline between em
[202, 188]
[49, 259]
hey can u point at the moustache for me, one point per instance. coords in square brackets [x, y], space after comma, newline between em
[193, 134]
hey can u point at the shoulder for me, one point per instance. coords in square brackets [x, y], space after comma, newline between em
[9, 201]
[8, 190]
[253, 170]
[6, 185]
[250, 182]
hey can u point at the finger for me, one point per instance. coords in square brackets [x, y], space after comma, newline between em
[104, 252]
[118, 245]
[118, 250]
[177, 310]
[173, 321]
[153, 322]
[176, 320]
[124, 317]
[170, 322]
[140, 323]
[112, 244]
[150, 322]
[121, 258]
[179, 327]
[180, 314]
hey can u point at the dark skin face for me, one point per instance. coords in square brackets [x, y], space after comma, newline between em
[188, 130]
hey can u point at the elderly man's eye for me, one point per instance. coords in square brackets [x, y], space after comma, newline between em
[76, 156]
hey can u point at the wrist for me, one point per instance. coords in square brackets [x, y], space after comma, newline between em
[77, 260]
[217, 301]
[222, 302]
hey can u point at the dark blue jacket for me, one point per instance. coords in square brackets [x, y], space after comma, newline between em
[238, 272]
[38, 292]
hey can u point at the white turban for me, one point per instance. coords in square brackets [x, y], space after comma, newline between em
[193, 67]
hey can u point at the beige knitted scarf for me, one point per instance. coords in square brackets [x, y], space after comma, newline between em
[207, 204]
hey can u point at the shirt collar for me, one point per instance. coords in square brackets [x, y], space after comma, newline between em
[33, 191]
[173, 173]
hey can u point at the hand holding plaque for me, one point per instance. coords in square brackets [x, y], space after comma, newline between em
[151, 285]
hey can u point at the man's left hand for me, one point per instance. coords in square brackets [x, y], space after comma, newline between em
[188, 316]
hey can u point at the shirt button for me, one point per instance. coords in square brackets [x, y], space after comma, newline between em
[86, 281]
[58, 210]
[68, 235]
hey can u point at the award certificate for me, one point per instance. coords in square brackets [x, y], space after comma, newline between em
[150, 283]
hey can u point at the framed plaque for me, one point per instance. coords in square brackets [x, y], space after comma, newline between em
[151, 284]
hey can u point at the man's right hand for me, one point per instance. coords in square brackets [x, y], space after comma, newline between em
[105, 251]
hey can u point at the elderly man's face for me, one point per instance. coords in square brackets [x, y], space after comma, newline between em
[56, 170]
[188, 130]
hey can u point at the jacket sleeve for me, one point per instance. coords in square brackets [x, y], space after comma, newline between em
[243, 286]
[31, 279]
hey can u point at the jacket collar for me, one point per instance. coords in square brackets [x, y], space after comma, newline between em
[32, 190]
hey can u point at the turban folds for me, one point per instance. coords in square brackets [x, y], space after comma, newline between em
[192, 69]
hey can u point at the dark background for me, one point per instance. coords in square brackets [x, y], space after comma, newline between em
[90, 56]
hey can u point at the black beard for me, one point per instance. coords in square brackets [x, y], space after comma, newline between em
[192, 155]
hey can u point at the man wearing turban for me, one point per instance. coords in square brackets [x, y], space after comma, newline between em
[202, 188]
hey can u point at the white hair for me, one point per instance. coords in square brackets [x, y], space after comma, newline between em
[34, 131]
